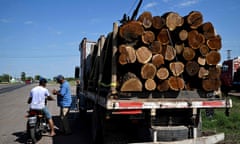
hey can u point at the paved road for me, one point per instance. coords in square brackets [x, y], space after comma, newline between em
[13, 109]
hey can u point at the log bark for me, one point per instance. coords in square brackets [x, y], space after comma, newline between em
[169, 52]
[162, 73]
[150, 85]
[173, 20]
[176, 68]
[188, 53]
[195, 19]
[148, 71]
[163, 37]
[144, 55]
[148, 37]
[131, 31]
[192, 68]
[163, 86]
[158, 60]
[131, 85]
[214, 43]
[158, 22]
[156, 47]
[213, 58]
[146, 19]
[176, 83]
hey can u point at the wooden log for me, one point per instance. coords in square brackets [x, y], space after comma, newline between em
[150, 85]
[156, 47]
[162, 73]
[169, 53]
[208, 30]
[192, 68]
[195, 19]
[132, 85]
[188, 53]
[176, 83]
[158, 22]
[176, 68]
[195, 39]
[179, 48]
[131, 31]
[122, 59]
[214, 43]
[214, 72]
[203, 73]
[211, 84]
[144, 55]
[201, 61]
[173, 20]
[148, 71]
[146, 19]
[204, 50]
[213, 58]
[158, 60]
[183, 35]
[163, 37]
[128, 54]
[148, 37]
[163, 86]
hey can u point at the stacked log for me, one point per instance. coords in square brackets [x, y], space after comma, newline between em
[168, 52]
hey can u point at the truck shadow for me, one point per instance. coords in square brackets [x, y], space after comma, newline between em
[80, 130]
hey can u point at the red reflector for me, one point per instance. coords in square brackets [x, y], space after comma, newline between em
[126, 112]
[130, 104]
[212, 103]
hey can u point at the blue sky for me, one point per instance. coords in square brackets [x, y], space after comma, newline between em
[41, 37]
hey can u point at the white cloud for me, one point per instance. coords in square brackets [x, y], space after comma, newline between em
[150, 5]
[188, 3]
[28, 22]
[58, 33]
[4, 20]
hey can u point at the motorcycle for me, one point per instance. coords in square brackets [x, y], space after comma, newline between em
[37, 125]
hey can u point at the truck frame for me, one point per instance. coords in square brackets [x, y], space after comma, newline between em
[174, 119]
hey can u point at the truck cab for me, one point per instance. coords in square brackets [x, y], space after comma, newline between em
[230, 75]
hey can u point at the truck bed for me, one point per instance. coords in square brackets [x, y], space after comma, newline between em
[185, 99]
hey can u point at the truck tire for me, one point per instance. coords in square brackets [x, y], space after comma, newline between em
[97, 132]
[171, 133]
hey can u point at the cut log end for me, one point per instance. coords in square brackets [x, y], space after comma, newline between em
[132, 85]
[176, 83]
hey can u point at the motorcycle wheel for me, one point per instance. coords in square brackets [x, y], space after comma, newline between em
[35, 133]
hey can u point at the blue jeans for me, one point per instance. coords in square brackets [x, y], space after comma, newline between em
[47, 113]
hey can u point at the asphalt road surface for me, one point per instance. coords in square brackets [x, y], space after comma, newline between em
[13, 107]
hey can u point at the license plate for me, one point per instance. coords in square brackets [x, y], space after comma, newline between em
[32, 121]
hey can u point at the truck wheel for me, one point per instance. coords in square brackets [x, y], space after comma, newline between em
[97, 135]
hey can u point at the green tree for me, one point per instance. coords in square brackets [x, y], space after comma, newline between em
[23, 76]
[37, 77]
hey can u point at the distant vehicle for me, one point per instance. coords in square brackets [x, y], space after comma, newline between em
[230, 75]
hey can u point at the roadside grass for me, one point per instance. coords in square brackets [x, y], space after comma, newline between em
[229, 125]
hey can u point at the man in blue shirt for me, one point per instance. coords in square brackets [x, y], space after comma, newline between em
[64, 100]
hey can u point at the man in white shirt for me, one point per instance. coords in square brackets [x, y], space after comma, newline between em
[37, 99]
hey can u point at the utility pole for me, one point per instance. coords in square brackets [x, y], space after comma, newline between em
[229, 54]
